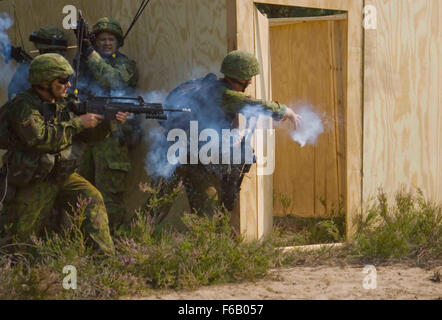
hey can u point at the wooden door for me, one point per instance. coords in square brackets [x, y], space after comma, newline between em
[308, 61]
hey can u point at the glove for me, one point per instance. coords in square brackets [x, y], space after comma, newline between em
[86, 48]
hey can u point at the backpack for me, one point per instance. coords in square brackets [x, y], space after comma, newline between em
[198, 96]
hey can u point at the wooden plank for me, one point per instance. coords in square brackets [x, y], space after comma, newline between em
[347, 5]
[313, 247]
[294, 173]
[265, 148]
[403, 89]
[246, 41]
[340, 60]
[232, 37]
[336, 195]
[274, 22]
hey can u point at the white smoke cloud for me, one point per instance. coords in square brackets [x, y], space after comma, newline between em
[156, 163]
[5, 23]
[155, 96]
[6, 69]
[310, 127]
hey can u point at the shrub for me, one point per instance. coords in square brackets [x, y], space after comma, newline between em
[409, 228]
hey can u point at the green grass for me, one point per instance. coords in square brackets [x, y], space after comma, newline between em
[295, 231]
[290, 230]
[410, 227]
[207, 252]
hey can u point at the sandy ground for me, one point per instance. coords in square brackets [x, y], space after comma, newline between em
[323, 282]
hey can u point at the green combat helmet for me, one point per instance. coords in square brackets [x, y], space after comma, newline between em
[49, 39]
[108, 25]
[48, 67]
[240, 65]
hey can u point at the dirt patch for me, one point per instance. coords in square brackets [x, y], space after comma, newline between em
[322, 282]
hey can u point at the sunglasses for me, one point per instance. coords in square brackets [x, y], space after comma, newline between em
[242, 83]
[64, 80]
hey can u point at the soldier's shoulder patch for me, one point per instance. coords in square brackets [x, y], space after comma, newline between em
[27, 123]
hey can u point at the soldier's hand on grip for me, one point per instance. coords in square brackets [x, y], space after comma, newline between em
[122, 116]
[90, 120]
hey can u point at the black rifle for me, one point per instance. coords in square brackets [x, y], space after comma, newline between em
[108, 107]
[16, 53]
[231, 177]
[20, 55]
[81, 30]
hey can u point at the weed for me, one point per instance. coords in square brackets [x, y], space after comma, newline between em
[409, 228]
[206, 253]
[296, 231]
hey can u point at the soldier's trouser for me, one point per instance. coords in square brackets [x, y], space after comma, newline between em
[106, 165]
[202, 188]
[31, 208]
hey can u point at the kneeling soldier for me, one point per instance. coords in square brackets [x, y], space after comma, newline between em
[42, 156]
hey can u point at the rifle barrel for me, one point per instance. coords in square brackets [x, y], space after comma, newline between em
[177, 110]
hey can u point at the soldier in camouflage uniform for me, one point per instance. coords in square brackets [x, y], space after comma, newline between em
[46, 40]
[215, 103]
[105, 71]
[42, 156]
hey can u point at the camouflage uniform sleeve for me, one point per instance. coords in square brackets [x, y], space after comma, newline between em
[37, 134]
[234, 101]
[113, 77]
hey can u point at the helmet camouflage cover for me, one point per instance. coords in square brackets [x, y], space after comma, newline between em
[240, 65]
[108, 25]
[49, 38]
[48, 67]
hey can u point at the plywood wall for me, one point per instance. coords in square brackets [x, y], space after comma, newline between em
[308, 71]
[172, 42]
[403, 98]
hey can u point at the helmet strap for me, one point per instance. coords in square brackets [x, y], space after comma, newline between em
[243, 85]
[48, 90]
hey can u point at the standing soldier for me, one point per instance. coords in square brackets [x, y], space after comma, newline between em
[38, 173]
[104, 71]
[215, 103]
[46, 40]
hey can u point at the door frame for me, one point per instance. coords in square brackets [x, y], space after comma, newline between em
[241, 36]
